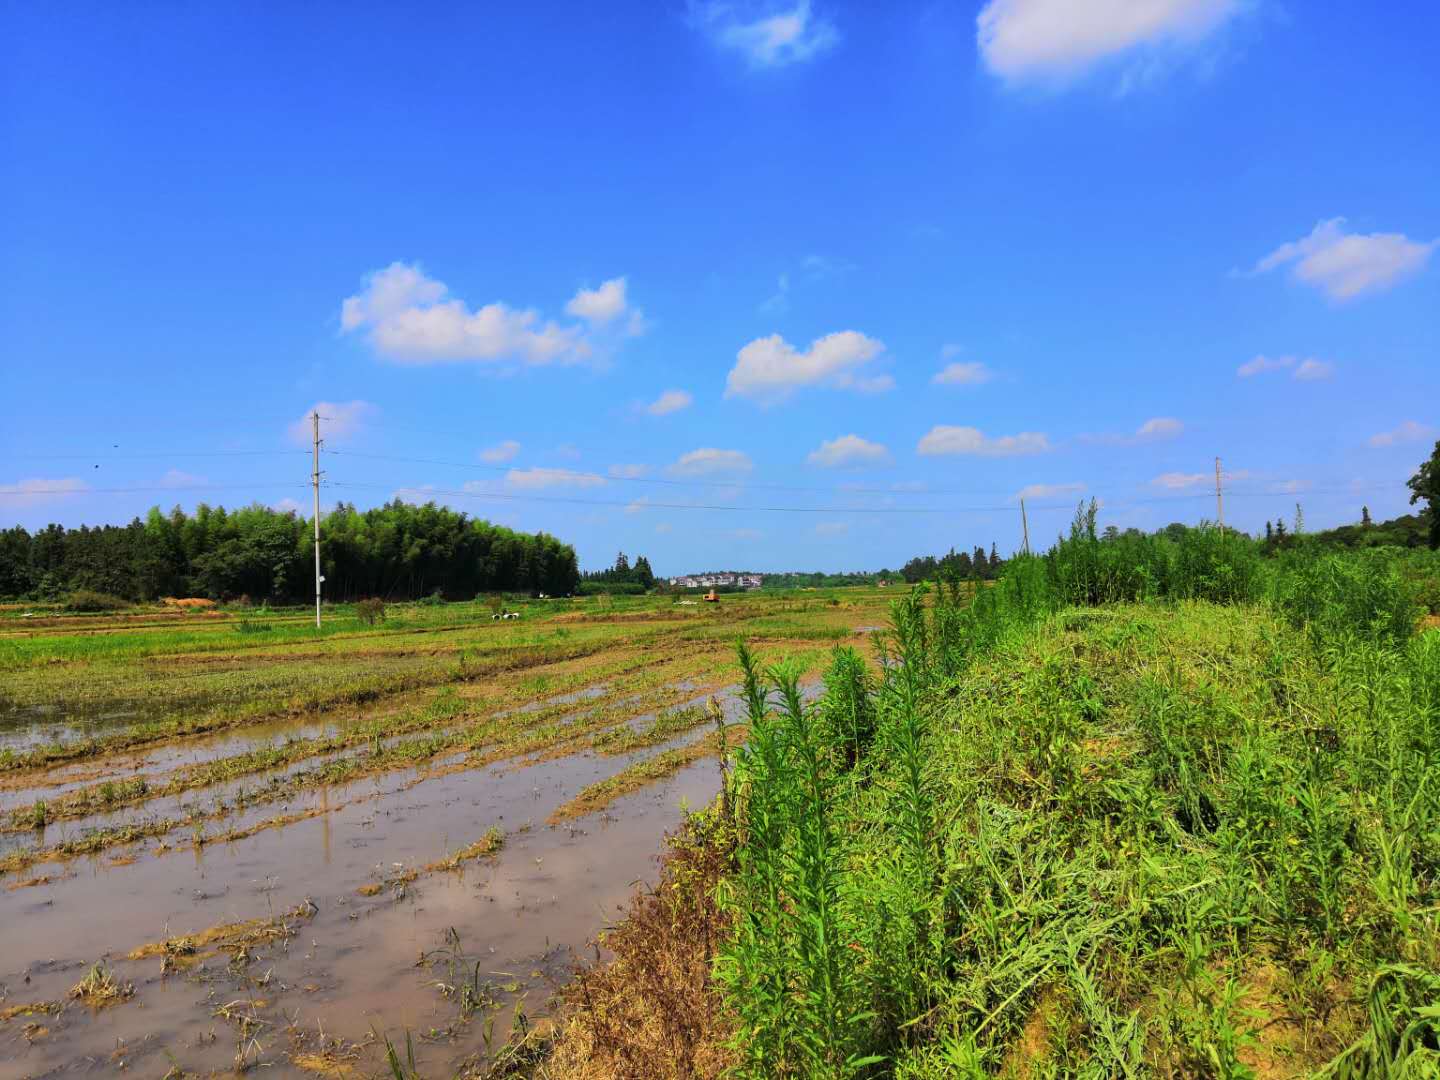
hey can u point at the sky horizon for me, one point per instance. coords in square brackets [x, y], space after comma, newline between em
[764, 286]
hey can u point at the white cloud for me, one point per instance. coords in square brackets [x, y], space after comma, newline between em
[637, 505]
[1290, 487]
[599, 306]
[1345, 265]
[628, 472]
[774, 39]
[410, 318]
[1306, 370]
[338, 420]
[1155, 429]
[287, 505]
[1176, 481]
[1262, 364]
[971, 373]
[769, 369]
[707, 461]
[1159, 427]
[500, 452]
[945, 439]
[175, 478]
[1314, 370]
[832, 528]
[538, 478]
[1411, 431]
[36, 492]
[848, 451]
[670, 401]
[1049, 491]
[1051, 40]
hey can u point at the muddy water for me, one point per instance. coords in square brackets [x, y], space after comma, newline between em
[351, 968]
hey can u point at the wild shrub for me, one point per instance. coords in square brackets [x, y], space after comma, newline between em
[1360, 594]
[370, 610]
[88, 600]
[1216, 565]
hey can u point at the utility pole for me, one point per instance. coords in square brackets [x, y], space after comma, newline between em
[315, 483]
[1219, 497]
[1025, 525]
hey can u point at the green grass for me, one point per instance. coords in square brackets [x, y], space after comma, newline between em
[1173, 838]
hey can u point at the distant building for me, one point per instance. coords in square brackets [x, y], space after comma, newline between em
[723, 580]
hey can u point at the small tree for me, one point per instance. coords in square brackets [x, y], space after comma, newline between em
[1425, 485]
[370, 611]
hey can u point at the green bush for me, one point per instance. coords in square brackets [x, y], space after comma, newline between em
[1335, 596]
[613, 588]
[370, 610]
[90, 600]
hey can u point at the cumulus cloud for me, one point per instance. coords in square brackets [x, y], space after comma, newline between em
[708, 461]
[771, 39]
[1306, 370]
[411, 318]
[770, 369]
[1049, 491]
[1344, 265]
[500, 452]
[670, 401]
[1411, 431]
[1050, 40]
[628, 472]
[37, 491]
[971, 373]
[848, 451]
[946, 439]
[539, 478]
[599, 306]
[338, 420]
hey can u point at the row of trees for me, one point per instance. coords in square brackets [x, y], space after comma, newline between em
[398, 551]
[622, 577]
[954, 564]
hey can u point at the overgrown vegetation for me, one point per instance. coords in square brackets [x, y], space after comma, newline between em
[1147, 806]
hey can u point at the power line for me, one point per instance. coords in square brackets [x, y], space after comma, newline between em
[105, 455]
[1008, 508]
[21, 491]
[666, 481]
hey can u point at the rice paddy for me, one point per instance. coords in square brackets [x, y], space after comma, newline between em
[225, 838]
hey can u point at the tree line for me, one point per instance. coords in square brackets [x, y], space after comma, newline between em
[621, 578]
[398, 551]
[954, 565]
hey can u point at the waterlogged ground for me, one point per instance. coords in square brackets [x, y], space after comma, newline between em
[257, 845]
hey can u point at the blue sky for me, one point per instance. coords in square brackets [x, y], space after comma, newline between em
[584, 268]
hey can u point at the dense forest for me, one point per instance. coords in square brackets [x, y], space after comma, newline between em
[398, 551]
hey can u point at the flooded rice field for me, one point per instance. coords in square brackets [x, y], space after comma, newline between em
[381, 842]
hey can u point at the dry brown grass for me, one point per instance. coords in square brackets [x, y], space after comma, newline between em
[650, 1011]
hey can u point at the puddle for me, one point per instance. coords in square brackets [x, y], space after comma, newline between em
[352, 967]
